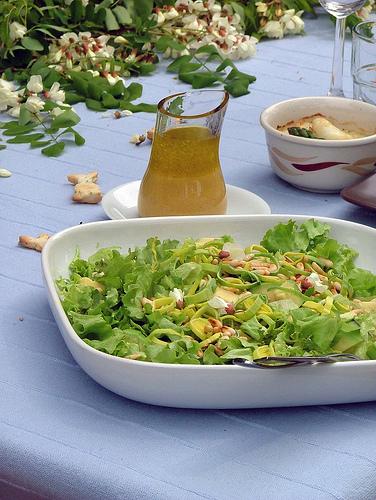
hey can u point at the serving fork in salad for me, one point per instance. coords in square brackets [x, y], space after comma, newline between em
[287, 361]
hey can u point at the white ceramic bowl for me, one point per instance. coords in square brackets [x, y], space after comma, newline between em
[314, 164]
[194, 386]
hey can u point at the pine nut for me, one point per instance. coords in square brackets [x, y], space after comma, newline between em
[215, 323]
[318, 269]
[227, 330]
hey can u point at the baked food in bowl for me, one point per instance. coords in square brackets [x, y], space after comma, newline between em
[313, 160]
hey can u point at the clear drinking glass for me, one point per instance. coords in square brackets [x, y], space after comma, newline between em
[363, 62]
[184, 175]
[340, 9]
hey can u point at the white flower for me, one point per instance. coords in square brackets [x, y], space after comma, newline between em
[91, 55]
[103, 39]
[34, 104]
[84, 35]
[177, 294]
[160, 18]
[147, 46]
[291, 22]
[61, 108]
[57, 111]
[231, 40]
[318, 285]
[236, 19]
[94, 73]
[184, 4]
[68, 38]
[7, 98]
[216, 17]
[174, 53]
[214, 8]
[273, 29]
[171, 14]
[12, 99]
[106, 51]
[295, 26]
[130, 59]
[113, 79]
[261, 7]
[3, 104]
[219, 304]
[16, 31]
[55, 93]
[199, 6]
[251, 42]
[203, 23]
[55, 55]
[247, 49]
[35, 84]
[121, 40]
[180, 32]
[5, 84]
[15, 111]
[227, 9]
[223, 22]
[189, 19]
[193, 26]
[58, 67]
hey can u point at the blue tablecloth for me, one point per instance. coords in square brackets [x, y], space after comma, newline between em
[63, 436]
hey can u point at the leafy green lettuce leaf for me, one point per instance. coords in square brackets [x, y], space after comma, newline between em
[293, 238]
[91, 326]
[363, 282]
[341, 255]
[320, 330]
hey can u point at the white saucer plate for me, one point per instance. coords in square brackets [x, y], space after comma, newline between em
[121, 202]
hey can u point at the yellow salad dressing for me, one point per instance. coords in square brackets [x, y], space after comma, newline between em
[184, 175]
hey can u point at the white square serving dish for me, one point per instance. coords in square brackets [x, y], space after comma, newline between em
[193, 386]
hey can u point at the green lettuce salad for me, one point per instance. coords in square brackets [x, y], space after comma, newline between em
[208, 301]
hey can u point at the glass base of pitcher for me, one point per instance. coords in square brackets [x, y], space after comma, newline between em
[173, 213]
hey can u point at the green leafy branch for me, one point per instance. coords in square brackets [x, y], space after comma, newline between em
[44, 132]
[99, 95]
[196, 69]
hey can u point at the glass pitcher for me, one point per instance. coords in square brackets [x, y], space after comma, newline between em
[184, 175]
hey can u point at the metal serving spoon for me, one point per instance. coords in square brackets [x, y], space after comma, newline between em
[286, 362]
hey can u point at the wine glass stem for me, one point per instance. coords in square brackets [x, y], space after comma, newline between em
[336, 83]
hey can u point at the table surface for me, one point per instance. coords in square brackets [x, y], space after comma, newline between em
[63, 436]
